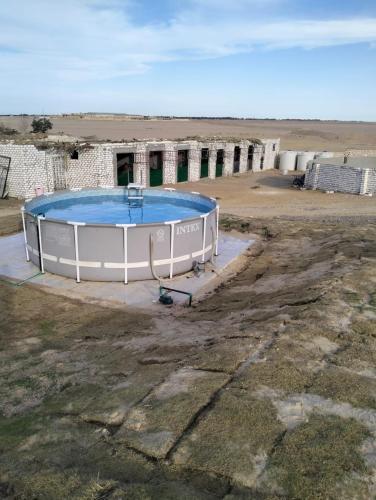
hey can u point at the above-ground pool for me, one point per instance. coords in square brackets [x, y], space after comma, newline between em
[102, 235]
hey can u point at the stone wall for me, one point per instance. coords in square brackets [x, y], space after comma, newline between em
[95, 165]
[340, 178]
[371, 186]
[170, 160]
[29, 168]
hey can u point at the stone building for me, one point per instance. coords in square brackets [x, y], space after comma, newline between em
[150, 163]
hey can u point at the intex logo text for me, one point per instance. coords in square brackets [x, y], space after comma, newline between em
[188, 228]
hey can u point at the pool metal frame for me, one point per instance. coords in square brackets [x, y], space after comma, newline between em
[145, 250]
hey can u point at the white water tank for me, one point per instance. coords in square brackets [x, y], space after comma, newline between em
[324, 154]
[302, 160]
[287, 161]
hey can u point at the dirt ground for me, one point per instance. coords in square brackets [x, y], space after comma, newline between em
[270, 194]
[265, 389]
[294, 134]
[264, 194]
[10, 218]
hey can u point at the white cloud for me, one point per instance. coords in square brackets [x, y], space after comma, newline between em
[89, 40]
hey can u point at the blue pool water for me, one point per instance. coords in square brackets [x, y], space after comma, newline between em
[114, 209]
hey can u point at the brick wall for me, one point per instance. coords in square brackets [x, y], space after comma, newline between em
[28, 168]
[340, 178]
[96, 165]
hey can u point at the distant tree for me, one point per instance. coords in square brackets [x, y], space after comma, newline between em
[41, 125]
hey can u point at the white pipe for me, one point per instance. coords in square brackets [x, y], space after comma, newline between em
[151, 254]
[217, 223]
[40, 243]
[76, 253]
[25, 235]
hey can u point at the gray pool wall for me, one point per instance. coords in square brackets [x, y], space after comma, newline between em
[105, 252]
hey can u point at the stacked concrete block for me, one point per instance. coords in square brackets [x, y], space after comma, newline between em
[258, 151]
[141, 167]
[340, 178]
[56, 172]
[96, 164]
[243, 162]
[17, 172]
[228, 167]
[309, 176]
[28, 169]
[92, 167]
[271, 152]
[170, 162]
[213, 151]
[105, 166]
[194, 162]
[371, 187]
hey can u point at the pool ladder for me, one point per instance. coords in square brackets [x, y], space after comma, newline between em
[135, 195]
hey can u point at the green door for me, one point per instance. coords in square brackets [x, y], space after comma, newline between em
[156, 177]
[204, 168]
[156, 168]
[219, 170]
[182, 173]
[125, 177]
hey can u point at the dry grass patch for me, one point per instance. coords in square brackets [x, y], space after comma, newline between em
[233, 439]
[318, 458]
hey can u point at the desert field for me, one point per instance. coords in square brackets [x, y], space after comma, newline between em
[294, 134]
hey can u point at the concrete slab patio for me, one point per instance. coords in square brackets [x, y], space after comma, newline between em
[13, 266]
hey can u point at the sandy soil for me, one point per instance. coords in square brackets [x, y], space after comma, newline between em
[10, 218]
[270, 194]
[294, 134]
[265, 194]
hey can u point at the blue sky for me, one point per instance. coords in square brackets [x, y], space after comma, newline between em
[253, 58]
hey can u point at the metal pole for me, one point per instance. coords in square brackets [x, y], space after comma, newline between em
[76, 253]
[172, 243]
[125, 248]
[39, 218]
[25, 235]
[125, 243]
[205, 216]
[217, 236]
[172, 249]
